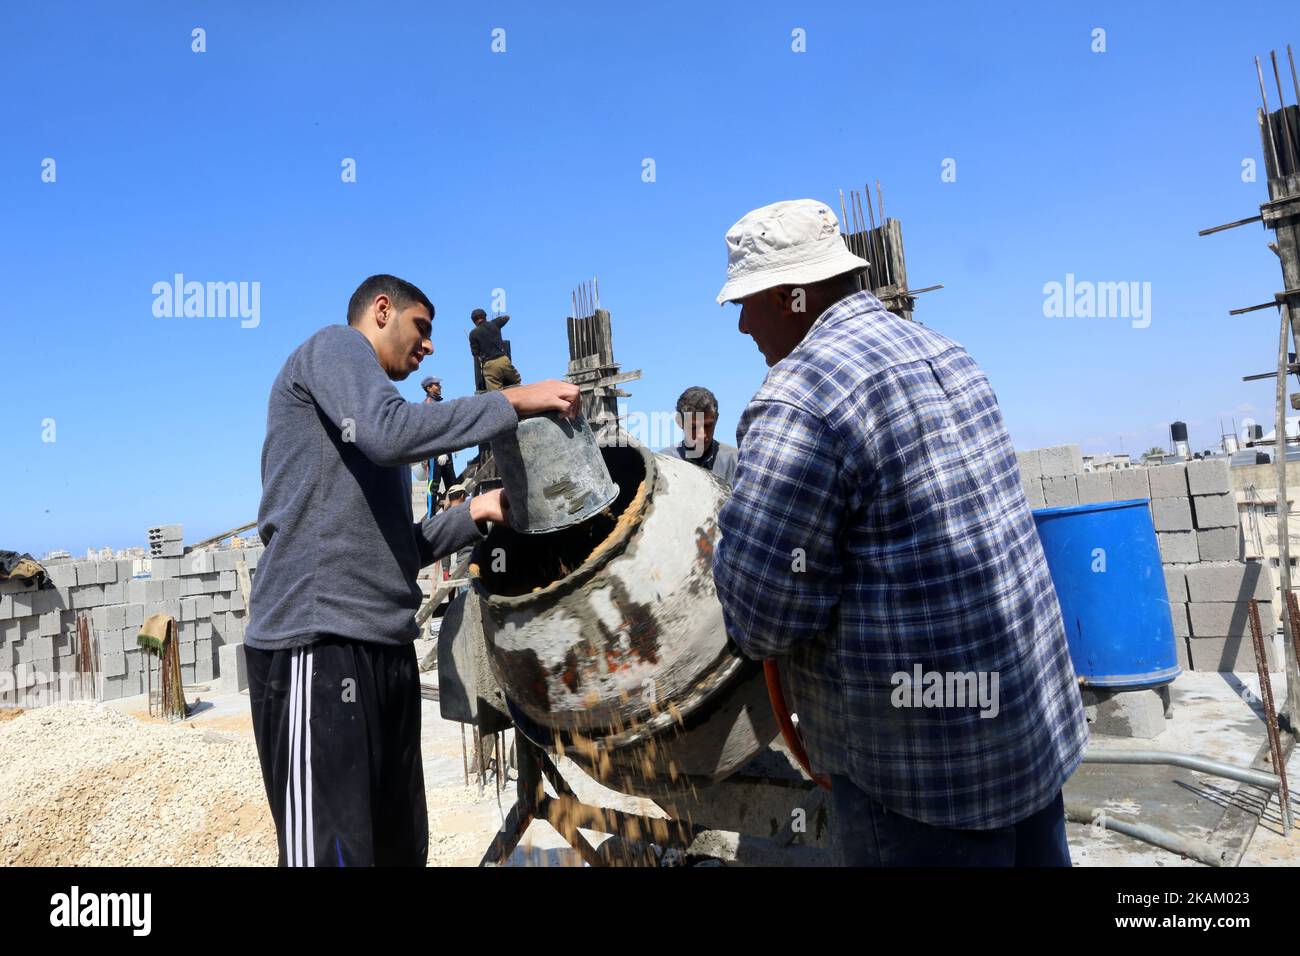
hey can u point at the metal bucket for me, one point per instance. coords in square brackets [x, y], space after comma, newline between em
[553, 472]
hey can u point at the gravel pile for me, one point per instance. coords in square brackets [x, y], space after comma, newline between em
[83, 785]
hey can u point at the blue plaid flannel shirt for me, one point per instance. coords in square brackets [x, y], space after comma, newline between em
[878, 523]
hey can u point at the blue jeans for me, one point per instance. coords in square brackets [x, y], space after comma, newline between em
[864, 833]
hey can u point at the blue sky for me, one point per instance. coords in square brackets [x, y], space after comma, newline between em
[522, 171]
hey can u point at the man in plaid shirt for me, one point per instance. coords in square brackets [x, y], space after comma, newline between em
[879, 543]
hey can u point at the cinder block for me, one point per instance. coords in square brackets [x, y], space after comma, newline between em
[1060, 491]
[1168, 481]
[137, 591]
[1129, 712]
[62, 575]
[172, 589]
[1130, 483]
[197, 562]
[115, 593]
[228, 582]
[105, 572]
[191, 585]
[6, 607]
[153, 591]
[1095, 487]
[135, 615]
[1178, 615]
[212, 584]
[125, 569]
[1030, 467]
[116, 616]
[220, 603]
[253, 555]
[1176, 583]
[223, 560]
[203, 631]
[1215, 511]
[1178, 547]
[1033, 489]
[50, 623]
[87, 572]
[1060, 461]
[203, 606]
[1226, 619]
[1219, 544]
[24, 603]
[1229, 654]
[236, 600]
[113, 665]
[187, 609]
[1171, 514]
[232, 669]
[1232, 582]
[203, 670]
[1210, 476]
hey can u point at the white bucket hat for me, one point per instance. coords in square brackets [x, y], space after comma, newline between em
[793, 242]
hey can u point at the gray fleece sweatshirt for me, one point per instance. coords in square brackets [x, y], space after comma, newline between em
[342, 548]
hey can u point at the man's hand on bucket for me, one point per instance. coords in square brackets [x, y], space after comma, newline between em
[548, 396]
[489, 506]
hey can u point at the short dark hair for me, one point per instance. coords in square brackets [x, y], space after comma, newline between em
[477, 314]
[699, 399]
[400, 292]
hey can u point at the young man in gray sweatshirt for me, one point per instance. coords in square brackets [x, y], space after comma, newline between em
[333, 677]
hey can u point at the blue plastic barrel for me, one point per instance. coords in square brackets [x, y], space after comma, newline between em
[1105, 564]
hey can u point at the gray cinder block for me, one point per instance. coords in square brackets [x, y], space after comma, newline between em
[1060, 491]
[105, 572]
[1211, 476]
[62, 575]
[203, 669]
[135, 615]
[1178, 547]
[1215, 511]
[1095, 487]
[137, 591]
[1130, 483]
[1226, 618]
[1178, 615]
[236, 600]
[223, 560]
[1060, 461]
[1030, 467]
[1034, 492]
[252, 555]
[228, 582]
[1229, 654]
[1168, 481]
[116, 614]
[203, 606]
[187, 609]
[1232, 582]
[220, 603]
[1219, 544]
[1171, 514]
[232, 668]
[1130, 712]
[115, 593]
[203, 631]
[198, 562]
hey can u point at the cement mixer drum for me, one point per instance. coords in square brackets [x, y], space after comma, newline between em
[608, 636]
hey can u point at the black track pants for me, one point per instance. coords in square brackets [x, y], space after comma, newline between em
[337, 725]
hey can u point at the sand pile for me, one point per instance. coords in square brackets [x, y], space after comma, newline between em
[83, 785]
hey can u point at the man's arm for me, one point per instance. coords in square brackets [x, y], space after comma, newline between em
[500, 320]
[777, 565]
[446, 533]
[343, 376]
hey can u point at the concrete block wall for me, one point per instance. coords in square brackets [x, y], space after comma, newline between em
[1198, 530]
[37, 627]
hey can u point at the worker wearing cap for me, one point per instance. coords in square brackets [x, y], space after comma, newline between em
[697, 416]
[333, 677]
[878, 532]
[440, 471]
[487, 348]
[432, 389]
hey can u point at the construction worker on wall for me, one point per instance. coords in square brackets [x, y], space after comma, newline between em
[490, 352]
[878, 534]
[332, 673]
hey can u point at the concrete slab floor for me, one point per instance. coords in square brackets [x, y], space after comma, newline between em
[1214, 715]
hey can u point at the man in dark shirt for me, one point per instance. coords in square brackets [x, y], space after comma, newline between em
[332, 673]
[490, 352]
